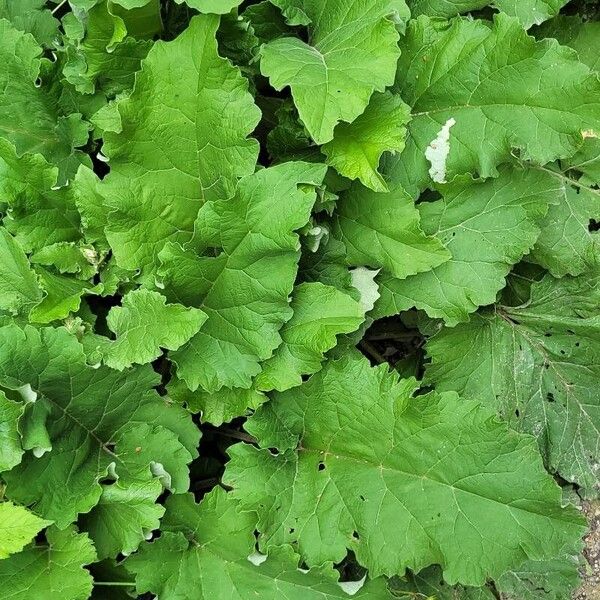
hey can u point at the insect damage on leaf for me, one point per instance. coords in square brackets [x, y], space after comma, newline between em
[437, 152]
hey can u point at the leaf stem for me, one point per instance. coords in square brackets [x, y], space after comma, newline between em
[59, 6]
[372, 352]
[115, 583]
[236, 435]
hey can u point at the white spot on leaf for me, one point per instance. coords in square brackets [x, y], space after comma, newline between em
[159, 471]
[315, 236]
[38, 451]
[363, 280]
[27, 393]
[437, 152]
[352, 587]
[257, 559]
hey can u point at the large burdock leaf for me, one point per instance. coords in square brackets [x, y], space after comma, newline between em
[219, 7]
[502, 91]
[53, 572]
[100, 56]
[11, 450]
[582, 36]
[568, 243]
[31, 16]
[78, 420]
[39, 212]
[29, 112]
[402, 481]
[244, 287]
[384, 231]
[124, 516]
[144, 324]
[207, 551]
[351, 52]
[537, 366]
[487, 227]
[19, 286]
[183, 142]
[18, 527]
[357, 147]
[320, 313]
[555, 579]
[529, 12]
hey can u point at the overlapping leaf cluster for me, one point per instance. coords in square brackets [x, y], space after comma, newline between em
[206, 205]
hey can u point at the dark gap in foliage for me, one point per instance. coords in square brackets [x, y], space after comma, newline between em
[100, 167]
[594, 225]
[393, 340]
[163, 367]
[349, 568]
[175, 18]
[160, 500]
[206, 471]
[62, 10]
[588, 10]
[100, 306]
[40, 538]
[485, 13]
[429, 196]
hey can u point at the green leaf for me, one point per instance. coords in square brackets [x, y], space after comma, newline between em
[34, 108]
[581, 36]
[219, 7]
[215, 537]
[430, 585]
[321, 312]
[11, 450]
[266, 21]
[327, 265]
[144, 324]
[244, 289]
[31, 16]
[52, 572]
[432, 478]
[549, 580]
[529, 12]
[384, 231]
[183, 142]
[216, 407]
[68, 257]
[19, 286]
[94, 405]
[357, 147]
[587, 162]
[487, 227]
[18, 527]
[91, 207]
[62, 296]
[143, 23]
[289, 139]
[123, 517]
[141, 443]
[40, 213]
[505, 92]
[537, 366]
[351, 52]
[567, 245]
[100, 55]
